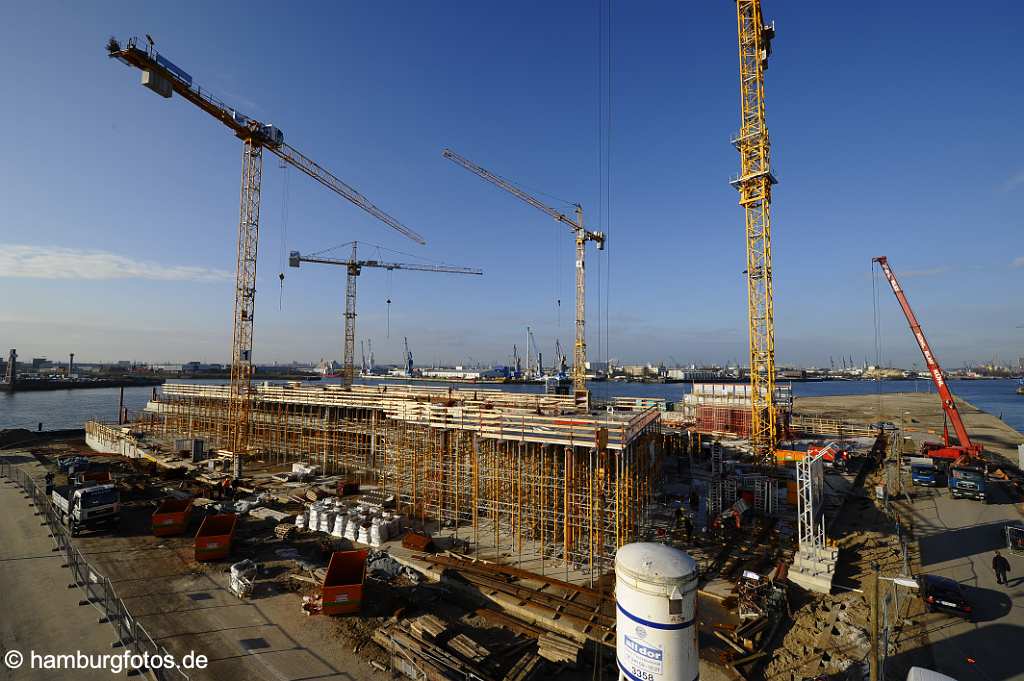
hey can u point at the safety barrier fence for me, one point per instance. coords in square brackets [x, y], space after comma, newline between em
[100, 593]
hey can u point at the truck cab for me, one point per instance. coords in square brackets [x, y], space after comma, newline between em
[89, 506]
[967, 479]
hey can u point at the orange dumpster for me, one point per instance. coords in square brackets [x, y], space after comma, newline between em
[783, 456]
[213, 541]
[343, 583]
[171, 516]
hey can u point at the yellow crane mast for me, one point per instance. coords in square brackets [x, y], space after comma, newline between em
[582, 236]
[754, 184]
[354, 267]
[163, 77]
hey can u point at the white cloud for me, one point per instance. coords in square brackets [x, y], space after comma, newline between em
[929, 272]
[1018, 262]
[41, 262]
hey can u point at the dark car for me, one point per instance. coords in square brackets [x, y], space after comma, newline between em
[942, 594]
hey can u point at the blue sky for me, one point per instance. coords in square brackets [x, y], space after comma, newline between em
[895, 132]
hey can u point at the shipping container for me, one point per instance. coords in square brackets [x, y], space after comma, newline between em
[343, 583]
[213, 541]
[172, 516]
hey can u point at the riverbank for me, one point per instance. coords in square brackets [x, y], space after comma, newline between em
[919, 415]
[29, 385]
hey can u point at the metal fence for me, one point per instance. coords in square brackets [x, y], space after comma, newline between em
[894, 598]
[100, 593]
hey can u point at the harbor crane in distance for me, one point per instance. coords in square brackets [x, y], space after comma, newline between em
[517, 364]
[163, 77]
[582, 235]
[561, 358]
[964, 450]
[354, 267]
[754, 184]
[408, 357]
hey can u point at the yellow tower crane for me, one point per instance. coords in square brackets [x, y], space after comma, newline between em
[354, 268]
[754, 184]
[579, 359]
[162, 76]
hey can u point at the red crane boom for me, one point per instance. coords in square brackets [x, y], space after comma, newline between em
[950, 451]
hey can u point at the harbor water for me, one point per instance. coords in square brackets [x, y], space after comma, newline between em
[71, 408]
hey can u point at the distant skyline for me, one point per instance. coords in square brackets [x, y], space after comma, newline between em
[119, 215]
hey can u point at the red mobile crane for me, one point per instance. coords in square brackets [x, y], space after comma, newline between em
[966, 451]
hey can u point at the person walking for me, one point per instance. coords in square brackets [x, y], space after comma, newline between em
[1001, 566]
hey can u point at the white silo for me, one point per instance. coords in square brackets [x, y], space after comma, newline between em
[656, 609]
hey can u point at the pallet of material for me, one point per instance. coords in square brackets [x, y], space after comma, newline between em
[285, 531]
[555, 648]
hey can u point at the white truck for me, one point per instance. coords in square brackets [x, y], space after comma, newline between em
[88, 506]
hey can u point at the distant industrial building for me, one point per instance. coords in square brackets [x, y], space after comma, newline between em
[695, 374]
[462, 374]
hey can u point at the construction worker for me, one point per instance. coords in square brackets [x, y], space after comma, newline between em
[1001, 566]
[227, 491]
[688, 524]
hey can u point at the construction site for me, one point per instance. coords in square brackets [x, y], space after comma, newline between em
[363, 530]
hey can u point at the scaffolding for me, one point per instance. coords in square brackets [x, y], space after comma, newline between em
[520, 476]
[810, 483]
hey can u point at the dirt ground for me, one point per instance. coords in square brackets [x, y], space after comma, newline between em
[186, 605]
[919, 415]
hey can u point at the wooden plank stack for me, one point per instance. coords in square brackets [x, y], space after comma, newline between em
[428, 626]
[555, 648]
[468, 648]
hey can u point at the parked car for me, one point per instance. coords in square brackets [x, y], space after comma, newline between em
[926, 475]
[942, 594]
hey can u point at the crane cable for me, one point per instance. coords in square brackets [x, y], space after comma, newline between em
[608, 193]
[604, 29]
[284, 234]
[388, 334]
[876, 311]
